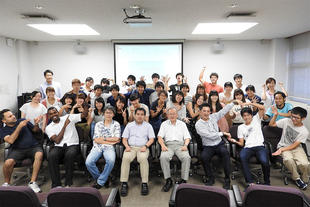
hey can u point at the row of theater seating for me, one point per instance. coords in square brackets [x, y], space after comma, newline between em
[183, 195]
[23, 196]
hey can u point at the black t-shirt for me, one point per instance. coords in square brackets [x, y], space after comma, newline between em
[25, 138]
[119, 117]
[153, 108]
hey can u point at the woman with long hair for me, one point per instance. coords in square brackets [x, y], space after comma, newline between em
[235, 112]
[216, 106]
[177, 101]
[121, 112]
[95, 115]
[158, 111]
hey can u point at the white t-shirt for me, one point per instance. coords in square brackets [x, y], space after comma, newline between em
[33, 112]
[225, 99]
[177, 132]
[291, 133]
[237, 110]
[70, 136]
[252, 133]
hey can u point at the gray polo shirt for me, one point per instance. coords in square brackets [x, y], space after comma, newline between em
[138, 134]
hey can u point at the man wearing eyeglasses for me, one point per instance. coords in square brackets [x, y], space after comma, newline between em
[293, 135]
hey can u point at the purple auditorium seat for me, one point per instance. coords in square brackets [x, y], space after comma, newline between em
[82, 197]
[20, 196]
[189, 195]
[273, 196]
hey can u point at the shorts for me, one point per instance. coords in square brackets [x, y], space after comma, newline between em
[18, 155]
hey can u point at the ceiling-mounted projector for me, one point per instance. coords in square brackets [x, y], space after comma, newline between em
[137, 19]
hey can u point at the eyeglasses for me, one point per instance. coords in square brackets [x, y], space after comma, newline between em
[295, 117]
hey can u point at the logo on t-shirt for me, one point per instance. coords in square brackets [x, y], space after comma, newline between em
[291, 134]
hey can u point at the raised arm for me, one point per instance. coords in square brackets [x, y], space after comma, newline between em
[57, 138]
[264, 97]
[201, 75]
[282, 88]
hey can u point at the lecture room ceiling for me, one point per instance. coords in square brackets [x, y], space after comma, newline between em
[172, 19]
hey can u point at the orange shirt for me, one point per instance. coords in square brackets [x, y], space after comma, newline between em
[210, 87]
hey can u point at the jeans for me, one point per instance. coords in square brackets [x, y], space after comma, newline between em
[209, 151]
[68, 154]
[108, 152]
[262, 155]
[92, 129]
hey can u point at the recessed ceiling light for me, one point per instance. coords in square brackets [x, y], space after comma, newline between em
[37, 6]
[223, 28]
[65, 29]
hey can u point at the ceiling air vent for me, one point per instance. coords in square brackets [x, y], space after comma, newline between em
[38, 18]
[240, 14]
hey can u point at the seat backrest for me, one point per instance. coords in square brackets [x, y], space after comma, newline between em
[189, 195]
[75, 196]
[262, 195]
[15, 196]
[272, 135]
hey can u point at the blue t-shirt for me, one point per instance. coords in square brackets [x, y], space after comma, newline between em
[287, 107]
[25, 138]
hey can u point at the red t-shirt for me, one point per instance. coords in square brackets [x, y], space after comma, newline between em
[210, 87]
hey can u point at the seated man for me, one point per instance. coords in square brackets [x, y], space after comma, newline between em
[294, 133]
[207, 128]
[107, 133]
[284, 109]
[135, 103]
[174, 138]
[63, 133]
[251, 137]
[138, 136]
[19, 134]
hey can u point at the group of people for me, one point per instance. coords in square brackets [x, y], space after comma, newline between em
[142, 115]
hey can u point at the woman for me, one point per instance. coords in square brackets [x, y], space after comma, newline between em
[89, 82]
[50, 99]
[67, 102]
[227, 96]
[200, 89]
[185, 89]
[35, 110]
[82, 127]
[268, 94]
[107, 134]
[235, 112]
[193, 107]
[121, 114]
[216, 106]
[95, 115]
[177, 102]
[158, 111]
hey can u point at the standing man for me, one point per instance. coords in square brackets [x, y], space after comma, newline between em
[138, 136]
[174, 138]
[19, 134]
[213, 85]
[48, 75]
[63, 133]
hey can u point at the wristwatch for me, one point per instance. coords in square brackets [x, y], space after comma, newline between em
[146, 146]
[104, 139]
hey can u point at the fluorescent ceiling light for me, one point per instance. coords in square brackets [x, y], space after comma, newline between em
[223, 28]
[65, 29]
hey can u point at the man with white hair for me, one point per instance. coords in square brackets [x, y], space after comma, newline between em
[174, 138]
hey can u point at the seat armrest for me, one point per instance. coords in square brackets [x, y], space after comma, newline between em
[117, 150]
[232, 199]
[84, 149]
[153, 150]
[237, 195]
[234, 150]
[172, 196]
[158, 149]
[191, 148]
[227, 144]
[114, 198]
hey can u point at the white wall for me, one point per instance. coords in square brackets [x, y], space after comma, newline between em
[60, 57]
[9, 75]
[252, 59]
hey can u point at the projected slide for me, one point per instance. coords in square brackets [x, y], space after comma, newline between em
[146, 59]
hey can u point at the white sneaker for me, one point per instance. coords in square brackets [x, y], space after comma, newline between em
[5, 185]
[34, 186]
